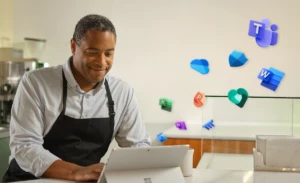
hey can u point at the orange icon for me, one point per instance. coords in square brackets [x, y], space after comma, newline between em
[199, 99]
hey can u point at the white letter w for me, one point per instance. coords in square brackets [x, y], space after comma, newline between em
[264, 73]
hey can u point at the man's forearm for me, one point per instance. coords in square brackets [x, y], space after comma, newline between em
[61, 170]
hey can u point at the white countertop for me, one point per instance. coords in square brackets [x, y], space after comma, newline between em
[224, 161]
[241, 176]
[220, 176]
[228, 131]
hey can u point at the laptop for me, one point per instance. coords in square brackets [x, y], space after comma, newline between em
[154, 164]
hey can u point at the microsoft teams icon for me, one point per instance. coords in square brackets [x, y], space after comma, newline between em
[271, 78]
[263, 36]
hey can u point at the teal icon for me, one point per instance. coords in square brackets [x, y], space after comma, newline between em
[166, 104]
[238, 97]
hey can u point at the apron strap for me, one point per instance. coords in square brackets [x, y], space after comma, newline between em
[110, 108]
[65, 87]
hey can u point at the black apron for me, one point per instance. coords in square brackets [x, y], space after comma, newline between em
[80, 141]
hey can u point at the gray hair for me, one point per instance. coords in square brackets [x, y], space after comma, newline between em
[92, 22]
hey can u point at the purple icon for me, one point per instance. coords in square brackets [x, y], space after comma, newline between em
[180, 125]
[256, 29]
[263, 36]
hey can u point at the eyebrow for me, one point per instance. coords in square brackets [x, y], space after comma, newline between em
[96, 49]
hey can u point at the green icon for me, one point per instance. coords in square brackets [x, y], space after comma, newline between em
[238, 97]
[166, 104]
[41, 65]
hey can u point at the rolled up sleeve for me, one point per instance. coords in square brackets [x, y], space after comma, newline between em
[26, 130]
[132, 131]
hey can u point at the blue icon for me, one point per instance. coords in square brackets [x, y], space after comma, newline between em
[265, 75]
[237, 59]
[271, 78]
[200, 65]
[161, 137]
[263, 36]
[209, 125]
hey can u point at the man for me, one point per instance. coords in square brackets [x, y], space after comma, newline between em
[65, 117]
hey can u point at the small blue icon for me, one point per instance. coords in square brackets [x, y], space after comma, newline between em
[271, 78]
[209, 125]
[161, 137]
[237, 59]
[200, 65]
[263, 36]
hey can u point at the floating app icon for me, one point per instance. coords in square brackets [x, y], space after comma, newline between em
[209, 125]
[199, 99]
[263, 36]
[180, 125]
[271, 78]
[161, 137]
[200, 65]
[166, 104]
[238, 97]
[237, 59]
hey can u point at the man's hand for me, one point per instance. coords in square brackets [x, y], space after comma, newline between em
[69, 171]
[89, 173]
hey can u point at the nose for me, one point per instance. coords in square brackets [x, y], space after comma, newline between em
[102, 60]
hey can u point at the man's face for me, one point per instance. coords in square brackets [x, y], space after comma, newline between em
[93, 58]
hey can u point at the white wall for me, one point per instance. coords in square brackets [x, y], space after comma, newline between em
[55, 21]
[157, 40]
[6, 23]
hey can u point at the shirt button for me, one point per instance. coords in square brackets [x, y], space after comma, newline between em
[87, 95]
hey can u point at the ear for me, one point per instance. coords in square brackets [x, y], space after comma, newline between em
[73, 46]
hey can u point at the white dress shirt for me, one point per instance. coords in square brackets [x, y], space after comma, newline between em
[38, 103]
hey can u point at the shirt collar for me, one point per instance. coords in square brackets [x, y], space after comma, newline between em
[72, 81]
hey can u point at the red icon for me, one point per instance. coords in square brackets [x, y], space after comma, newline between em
[199, 99]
